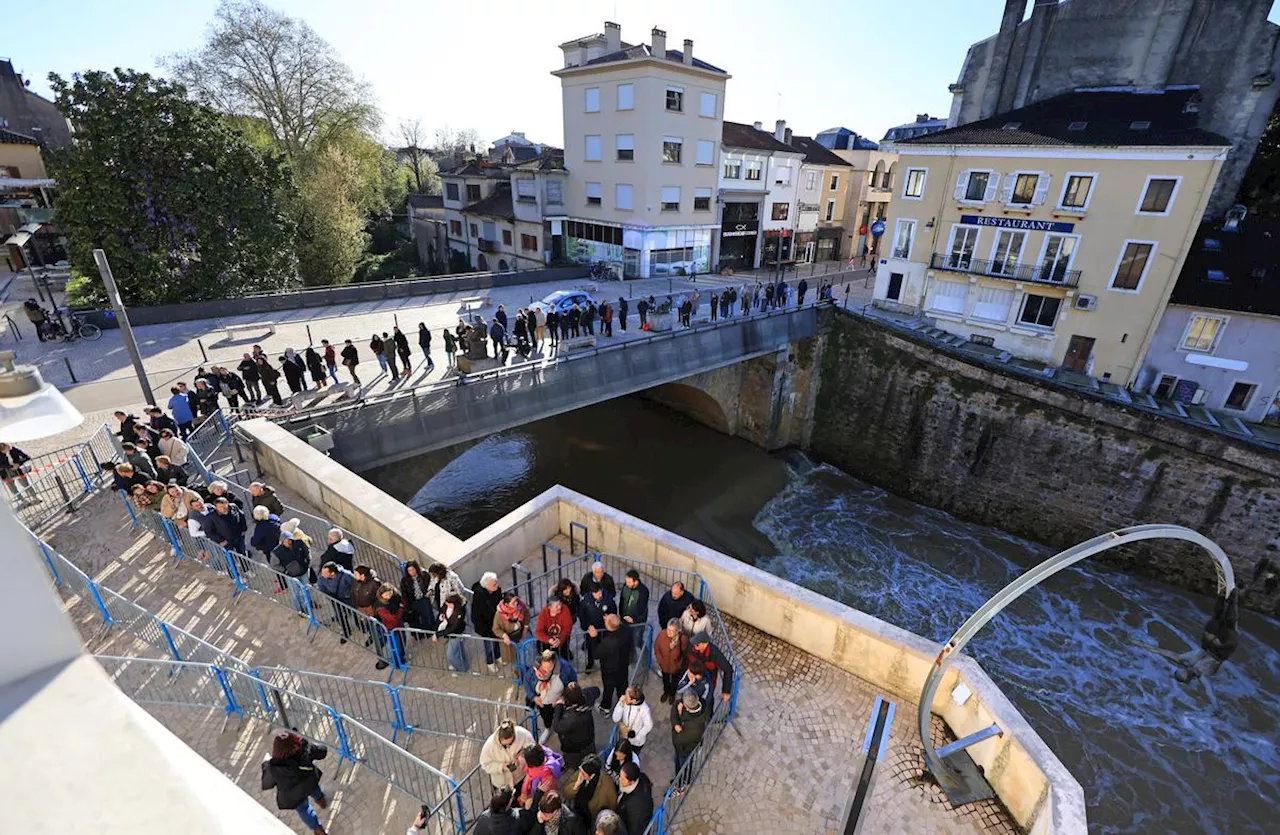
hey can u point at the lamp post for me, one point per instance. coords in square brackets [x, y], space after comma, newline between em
[122, 318]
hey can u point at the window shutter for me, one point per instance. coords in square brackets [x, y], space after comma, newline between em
[962, 183]
[993, 186]
[1007, 194]
[1042, 189]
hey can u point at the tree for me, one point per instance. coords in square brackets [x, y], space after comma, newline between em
[457, 143]
[258, 62]
[424, 175]
[331, 234]
[185, 207]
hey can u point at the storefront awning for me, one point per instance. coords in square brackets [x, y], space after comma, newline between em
[18, 239]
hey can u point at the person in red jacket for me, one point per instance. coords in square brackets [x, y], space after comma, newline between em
[555, 625]
[701, 648]
[390, 612]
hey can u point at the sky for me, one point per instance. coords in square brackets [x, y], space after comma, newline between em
[824, 63]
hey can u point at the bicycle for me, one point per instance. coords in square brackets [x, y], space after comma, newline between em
[80, 329]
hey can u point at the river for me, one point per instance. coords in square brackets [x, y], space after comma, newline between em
[1151, 754]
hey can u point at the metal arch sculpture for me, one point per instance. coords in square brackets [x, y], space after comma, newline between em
[951, 780]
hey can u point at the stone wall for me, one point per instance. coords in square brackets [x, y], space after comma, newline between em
[1051, 465]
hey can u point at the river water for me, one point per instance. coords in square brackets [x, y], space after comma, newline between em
[1151, 754]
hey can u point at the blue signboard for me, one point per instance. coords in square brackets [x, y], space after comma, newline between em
[1025, 224]
[877, 228]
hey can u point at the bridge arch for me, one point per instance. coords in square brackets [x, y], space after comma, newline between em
[693, 401]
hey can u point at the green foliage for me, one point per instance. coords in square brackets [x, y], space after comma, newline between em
[184, 207]
[83, 291]
[331, 236]
[400, 262]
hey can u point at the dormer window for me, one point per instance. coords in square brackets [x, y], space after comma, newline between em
[1142, 125]
[1077, 126]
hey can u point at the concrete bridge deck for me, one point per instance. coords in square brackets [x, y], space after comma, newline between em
[386, 428]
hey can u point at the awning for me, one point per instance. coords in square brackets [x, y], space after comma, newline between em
[18, 239]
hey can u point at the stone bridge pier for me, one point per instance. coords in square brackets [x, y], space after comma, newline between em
[768, 400]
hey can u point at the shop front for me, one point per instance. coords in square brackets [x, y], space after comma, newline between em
[739, 236]
[777, 246]
[828, 248]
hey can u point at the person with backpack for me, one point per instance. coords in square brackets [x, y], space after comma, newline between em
[291, 770]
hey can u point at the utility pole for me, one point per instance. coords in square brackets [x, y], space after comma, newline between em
[122, 318]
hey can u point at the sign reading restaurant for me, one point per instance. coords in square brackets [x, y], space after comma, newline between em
[1017, 223]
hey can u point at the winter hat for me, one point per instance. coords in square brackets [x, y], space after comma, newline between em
[699, 639]
[691, 702]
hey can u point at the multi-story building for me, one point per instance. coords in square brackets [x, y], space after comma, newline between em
[757, 192]
[871, 176]
[515, 147]
[922, 126]
[1218, 342]
[821, 196]
[642, 132]
[496, 212]
[1053, 232]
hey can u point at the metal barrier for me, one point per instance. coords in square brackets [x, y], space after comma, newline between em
[59, 481]
[422, 653]
[211, 434]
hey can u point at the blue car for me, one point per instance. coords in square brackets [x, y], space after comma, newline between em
[561, 301]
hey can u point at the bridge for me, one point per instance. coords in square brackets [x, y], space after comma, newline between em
[739, 375]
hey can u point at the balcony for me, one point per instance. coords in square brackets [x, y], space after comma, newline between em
[1051, 275]
[486, 245]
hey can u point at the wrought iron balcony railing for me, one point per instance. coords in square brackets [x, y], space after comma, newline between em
[1048, 274]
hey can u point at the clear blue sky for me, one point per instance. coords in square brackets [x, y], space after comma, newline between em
[862, 64]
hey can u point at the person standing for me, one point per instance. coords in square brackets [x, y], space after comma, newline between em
[335, 584]
[294, 370]
[554, 627]
[670, 648]
[270, 380]
[375, 345]
[500, 755]
[450, 347]
[554, 817]
[592, 612]
[13, 463]
[316, 366]
[501, 316]
[266, 532]
[390, 612]
[673, 603]
[538, 321]
[292, 771]
[589, 318]
[486, 596]
[453, 622]
[509, 624]
[715, 662]
[498, 335]
[622, 313]
[330, 360]
[339, 551]
[633, 607]
[633, 718]
[249, 373]
[801, 289]
[635, 798]
[206, 399]
[424, 342]
[643, 310]
[227, 525]
[591, 791]
[597, 577]
[715, 305]
[262, 494]
[606, 318]
[180, 408]
[688, 724]
[415, 591]
[402, 348]
[351, 358]
[573, 724]
[553, 325]
[614, 652]
[389, 354]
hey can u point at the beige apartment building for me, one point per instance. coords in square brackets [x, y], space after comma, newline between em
[821, 195]
[1054, 232]
[642, 133]
[867, 200]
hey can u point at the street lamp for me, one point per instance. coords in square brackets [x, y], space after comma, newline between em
[30, 408]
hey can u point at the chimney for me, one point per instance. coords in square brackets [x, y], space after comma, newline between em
[582, 53]
[659, 45]
[779, 129]
[756, 125]
[786, 137]
[612, 37]
[688, 52]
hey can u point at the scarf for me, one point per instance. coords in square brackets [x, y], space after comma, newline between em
[672, 643]
[512, 611]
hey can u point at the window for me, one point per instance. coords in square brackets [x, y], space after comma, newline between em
[1039, 311]
[671, 198]
[1203, 332]
[626, 147]
[594, 232]
[732, 170]
[735, 212]
[706, 152]
[506, 237]
[964, 239]
[529, 243]
[474, 233]
[595, 194]
[780, 210]
[1075, 195]
[1165, 386]
[835, 182]
[592, 100]
[1132, 266]
[707, 105]
[903, 234]
[993, 304]
[702, 199]
[591, 149]
[831, 209]
[975, 186]
[782, 175]
[671, 147]
[1240, 396]
[950, 296]
[914, 188]
[1024, 189]
[1007, 251]
[753, 170]
[473, 193]
[1158, 196]
[555, 192]
[810, 181]
[1056, 261]
[624, 196]
[675, 99]
[455, 227]
[451, 191]
[626, 96]
[526, 189]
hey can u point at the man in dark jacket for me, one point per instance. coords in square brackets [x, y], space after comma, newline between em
[554, 815]
[292, 772]
[158, 420]
[633, 606]
[498, 334]
[252, 379]
[598, 577]
[351, 358]
[622, 313]
[574, 725]
[635, 797]
[614, 652]
[364, 593]
[553, 325]
[127, 422]
[673, 603]
[402, 348]
[591, 615]
[227, 525]
[335, 584]
[643, 309]
[485, 597]
[340, 550]
[688, 723]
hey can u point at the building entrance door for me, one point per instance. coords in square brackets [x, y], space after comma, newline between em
[1079, 349]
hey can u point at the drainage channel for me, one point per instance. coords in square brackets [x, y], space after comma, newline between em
[873, 749]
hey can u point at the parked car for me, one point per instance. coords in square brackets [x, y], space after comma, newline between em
[561, 301]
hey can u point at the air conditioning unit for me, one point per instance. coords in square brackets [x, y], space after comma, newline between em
[1085, 302]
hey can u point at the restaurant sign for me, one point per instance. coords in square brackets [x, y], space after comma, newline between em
[1022, 223]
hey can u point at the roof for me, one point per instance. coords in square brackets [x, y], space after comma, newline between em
[551, 159]
[11, 137]
[1249, 261]
[738, 135]
[425, 201]
[838, 139]
[815, 154]
[496, 205]
[475, 168]
[1099, 116]
[645, 51]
